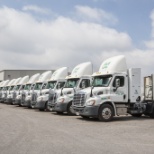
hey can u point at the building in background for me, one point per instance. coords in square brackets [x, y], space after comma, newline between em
[13, 74]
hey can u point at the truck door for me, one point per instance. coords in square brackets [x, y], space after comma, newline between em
[120, 93]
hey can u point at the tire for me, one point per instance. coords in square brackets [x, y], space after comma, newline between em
[69, 109]
[41, 109]
[84, 117]
[59, 112]
[105, 113]
[137, 115]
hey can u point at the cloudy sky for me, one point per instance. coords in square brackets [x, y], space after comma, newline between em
[48, 34]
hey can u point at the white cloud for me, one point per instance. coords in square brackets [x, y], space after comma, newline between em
[95, 14]
[28, 43]
[150, 43]
[36, 9]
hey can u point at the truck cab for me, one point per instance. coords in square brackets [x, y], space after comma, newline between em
[17, 93]
[115, 91]
[56, 82]
[31, 99]
[80, 78]
[4, 89]
[11, 93]
[27, 88]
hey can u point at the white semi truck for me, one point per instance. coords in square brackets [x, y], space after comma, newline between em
[27, 89]
[10, 94]
[6, 92]
[18, 89]
[35, 92]
[3, 88]
[115, 91]
[80, 78]
[56, 82]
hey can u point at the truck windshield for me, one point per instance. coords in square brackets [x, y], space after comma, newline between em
[11, 88]
[101, 81]
[16, 87]
[71, 83]
[38, 86]
[51, 84]
[27, 87]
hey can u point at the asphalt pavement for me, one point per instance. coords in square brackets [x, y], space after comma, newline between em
[29, 131]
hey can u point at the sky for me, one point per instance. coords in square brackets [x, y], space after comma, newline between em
[50, 34]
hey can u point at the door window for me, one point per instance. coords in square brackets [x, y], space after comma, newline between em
[121, 79]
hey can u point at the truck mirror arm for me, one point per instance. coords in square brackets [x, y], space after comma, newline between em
[61, 94]
[91, 93]
[74, 90]
[115, 89]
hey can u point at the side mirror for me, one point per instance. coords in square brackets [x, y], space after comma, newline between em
[117, 83]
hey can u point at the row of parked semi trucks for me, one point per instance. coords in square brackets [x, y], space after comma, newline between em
[112, 91]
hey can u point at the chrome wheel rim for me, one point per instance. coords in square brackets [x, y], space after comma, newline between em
[106, 113]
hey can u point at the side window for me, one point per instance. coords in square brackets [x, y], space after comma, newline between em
[60, 85]
[122, 81]
[85, 83]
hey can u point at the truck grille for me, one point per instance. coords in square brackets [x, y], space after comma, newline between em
[23, 97]
[79, 100]
[52, 98]
[14, 95]
[34, 97]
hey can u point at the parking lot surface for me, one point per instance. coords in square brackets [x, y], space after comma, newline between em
[28, 131]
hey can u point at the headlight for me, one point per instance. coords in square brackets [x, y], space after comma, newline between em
[61, 100]
[91, 102]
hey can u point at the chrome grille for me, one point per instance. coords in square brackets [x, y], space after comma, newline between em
[34, 97]
[79, 100]
[14, 95]
[52, 98]
[23, 97]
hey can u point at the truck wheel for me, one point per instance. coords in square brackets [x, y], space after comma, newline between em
[105, 113]
[137, 115]
[70, 109]
[59, 112]
[85, 117]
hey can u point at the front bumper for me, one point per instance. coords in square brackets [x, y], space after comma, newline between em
[89, 111]
[26, 103]
[40, 105]
[2, 100]
[33, 104]
[60, 107]
[8, 101]
[17, 102]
